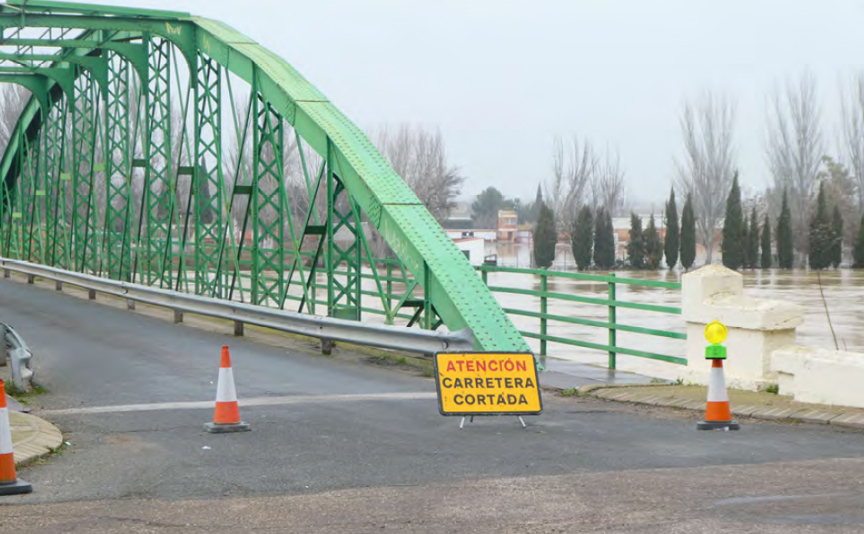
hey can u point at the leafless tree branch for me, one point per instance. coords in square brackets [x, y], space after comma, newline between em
[706, 172]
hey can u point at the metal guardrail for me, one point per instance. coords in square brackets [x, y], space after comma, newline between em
[325, 328]
[612, 303]
[20, 357]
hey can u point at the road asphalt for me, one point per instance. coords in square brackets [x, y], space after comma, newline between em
[340, 445]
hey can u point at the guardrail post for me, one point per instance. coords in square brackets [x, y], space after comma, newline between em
[326, 346]
[389, 284]
[613, 332]
[543, 310]
[178, 316]
[91, 294]
[31, 278]
[130, 304]
[6, 273]
[238, 328]
[58, 286]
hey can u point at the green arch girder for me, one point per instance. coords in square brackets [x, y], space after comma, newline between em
[458, 295]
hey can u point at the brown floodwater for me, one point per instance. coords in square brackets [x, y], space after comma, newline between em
[843, 292]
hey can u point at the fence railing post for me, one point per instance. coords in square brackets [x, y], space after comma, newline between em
[543, 310]
[613, 333]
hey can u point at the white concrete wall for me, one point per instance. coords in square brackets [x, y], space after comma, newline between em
[756, 327]
[488, 235]
[761, 347]
[475, 249]
[820, 376]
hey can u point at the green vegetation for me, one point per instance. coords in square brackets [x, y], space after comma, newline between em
[688, 234]
[766, 243]
[673, 238]
[582, 238]
[785, 249]
[836, 255]
[636, 246]
[858, 250]
[653, 246]
[604, 240]
[821, 234]
[545, 237]
[753, 240]
[733, 242]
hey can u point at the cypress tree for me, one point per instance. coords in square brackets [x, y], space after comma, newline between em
[636, 246]
[753, 240]
[653, 246]
[672, 234]
[545, 237]
[766, 243]
[582, 238]
[733, 244]
[745, 240]
[604, 240]
[784, 235]
[688, 234]
[858, 249]
[819, 253]
[836, 238]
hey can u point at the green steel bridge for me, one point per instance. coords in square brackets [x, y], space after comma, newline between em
[170, 150]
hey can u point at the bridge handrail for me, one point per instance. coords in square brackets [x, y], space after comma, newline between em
[324, 328]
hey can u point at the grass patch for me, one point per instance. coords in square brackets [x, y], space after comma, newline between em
[22, 396]
[772, 388]
[572, 392]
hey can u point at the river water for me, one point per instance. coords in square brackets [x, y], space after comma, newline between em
[843, 292]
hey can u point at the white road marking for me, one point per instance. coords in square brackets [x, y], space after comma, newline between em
[255, 401]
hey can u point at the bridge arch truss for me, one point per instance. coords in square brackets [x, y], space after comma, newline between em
[171, 150]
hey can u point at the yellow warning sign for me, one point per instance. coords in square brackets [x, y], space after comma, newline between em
[477, 383]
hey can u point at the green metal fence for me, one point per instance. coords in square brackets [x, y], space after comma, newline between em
[395, 297]
[611, 303]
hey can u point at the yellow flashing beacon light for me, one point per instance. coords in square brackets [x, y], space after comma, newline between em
[715, 333]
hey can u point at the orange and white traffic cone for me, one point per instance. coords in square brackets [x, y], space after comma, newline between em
[9, 483]
[718, 414]
[227, 415]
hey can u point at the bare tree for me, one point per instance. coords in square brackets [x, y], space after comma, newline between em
[14, 98]
[853, 134]
[608, 187]
[794, 150]
[708, 167]
[419, 157]
[572, 176]
[239, 160]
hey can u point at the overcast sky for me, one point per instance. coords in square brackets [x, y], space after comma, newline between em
[502, 78]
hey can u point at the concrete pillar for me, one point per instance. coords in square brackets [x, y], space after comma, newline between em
[757, 327]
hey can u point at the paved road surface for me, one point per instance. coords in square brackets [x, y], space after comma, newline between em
[342, 446]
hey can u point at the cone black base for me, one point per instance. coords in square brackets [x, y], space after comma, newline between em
[216, 428]
[718, 425]
[19, 487]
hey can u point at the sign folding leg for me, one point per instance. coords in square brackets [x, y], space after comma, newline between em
[462, 422]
